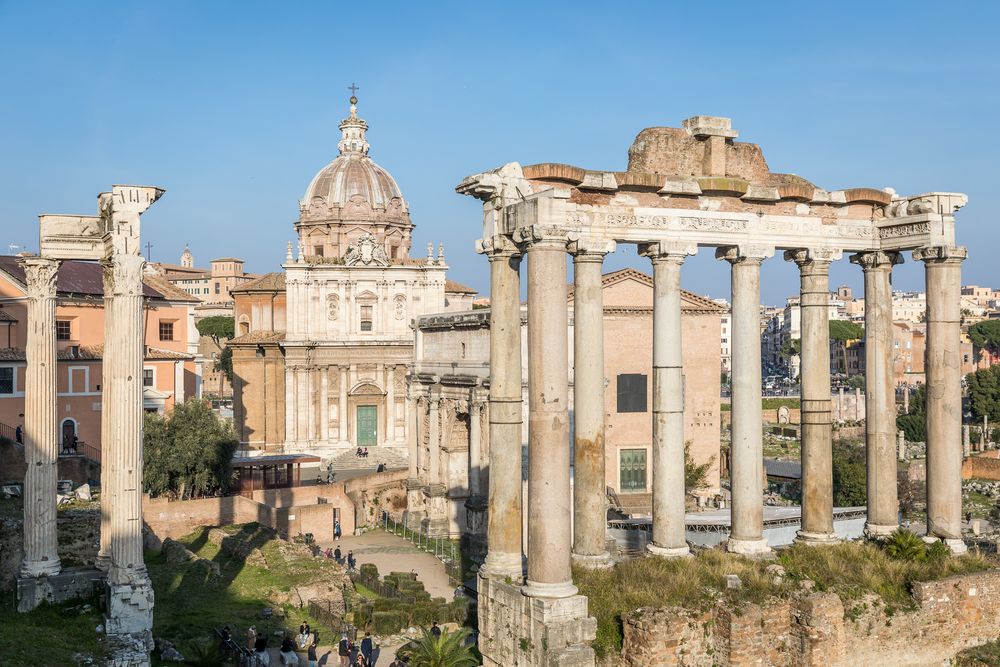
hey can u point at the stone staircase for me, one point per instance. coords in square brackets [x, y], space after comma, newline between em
[351, 461]
[636, 504]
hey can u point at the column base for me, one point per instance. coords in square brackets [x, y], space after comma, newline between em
[40, 568]
[601, 561]
[816, 539]
[130, 609]
[957, 547]
[757, 547]
[541, 589]
[668, 552]
[103, 562]
[874, 531]
[503, 566]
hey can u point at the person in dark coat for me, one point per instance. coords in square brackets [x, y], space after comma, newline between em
[435, 630]
[368, 648]
[344, 651]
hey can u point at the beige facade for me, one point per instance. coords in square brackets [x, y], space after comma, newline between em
[213, 285]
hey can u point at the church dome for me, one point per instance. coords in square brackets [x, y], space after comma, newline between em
[353, 186]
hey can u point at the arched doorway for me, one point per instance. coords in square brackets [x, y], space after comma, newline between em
[69, 436]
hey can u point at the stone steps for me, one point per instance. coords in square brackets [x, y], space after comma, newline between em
[351, 461]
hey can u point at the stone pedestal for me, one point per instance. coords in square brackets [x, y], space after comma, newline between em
[41, 438]
[415, 510]
[436, 522]
[69, 584]
[520, 631]
[943, 267]
[747, 470]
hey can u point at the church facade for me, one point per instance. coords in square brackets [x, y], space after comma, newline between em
[350, 290]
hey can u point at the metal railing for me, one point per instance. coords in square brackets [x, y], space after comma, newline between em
[380, 588]
[8, 432]
[443, 548]
[324, 612]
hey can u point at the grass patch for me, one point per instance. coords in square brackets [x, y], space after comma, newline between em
[770, 403]
[984, 655]
[57, 632]
[852, 570]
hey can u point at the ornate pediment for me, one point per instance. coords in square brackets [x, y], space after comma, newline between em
[366, 251]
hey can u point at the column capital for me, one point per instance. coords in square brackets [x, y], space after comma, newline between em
[39, 276]
[546, 237]
[744, 254]
[123, 274]
[590, 248]
[497, 247]
[876, 260]
[667, 250]
[805, 256]
[941, 254]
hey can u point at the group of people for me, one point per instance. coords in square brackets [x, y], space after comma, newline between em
[338, 556]
[362, 452]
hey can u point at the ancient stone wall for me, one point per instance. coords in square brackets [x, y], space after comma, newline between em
[981, 468]
[815, 629]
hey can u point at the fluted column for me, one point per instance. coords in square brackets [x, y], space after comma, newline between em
[127, 428]
[434, 432]
[880, 393]
[390, 406]
[475, 446]
[103, 560]
[503, 558]
[668, 401]
[943, 269]
[589, 495]
[746, 448]
[412, 443]
[549, 533]
[41, 557]
[324, 406]
[817, 434]
[343, 418]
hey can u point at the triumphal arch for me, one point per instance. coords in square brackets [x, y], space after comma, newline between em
[687, 188]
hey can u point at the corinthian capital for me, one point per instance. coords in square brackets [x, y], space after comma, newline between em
[123, 274]
[40, 275]
[667, 250]
[589, 247]
[534, 236]
[498, 245]
[744, 254]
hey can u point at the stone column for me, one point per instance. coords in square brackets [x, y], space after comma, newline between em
[130, 599]
[103, 561]
[817, 434]
[589, 495]
[943, 267]
[390, 405]
[475, 446]
[966, 441]
[412, 443]
[324, 406]
[41, 557]
[343, 419]
[434, 432]
[668, 401]
[880, 392]
[503, 558]
[549, 532]
[747, 448]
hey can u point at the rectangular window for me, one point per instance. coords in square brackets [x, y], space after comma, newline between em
[631, 392]
[166, 330]
[218, 288]
[6, 380]
[632, 478]
[63, 330]
[147, 377]
[318, 250]
[366, 318]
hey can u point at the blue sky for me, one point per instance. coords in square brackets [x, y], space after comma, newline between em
[233, 106]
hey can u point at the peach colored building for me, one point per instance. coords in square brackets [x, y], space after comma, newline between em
[212, 285]
[172, 367]
[908, 344]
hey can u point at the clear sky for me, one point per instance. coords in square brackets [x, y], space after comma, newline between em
[233, 106]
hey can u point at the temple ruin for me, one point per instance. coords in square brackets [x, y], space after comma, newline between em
[687, 188]
[112, 238]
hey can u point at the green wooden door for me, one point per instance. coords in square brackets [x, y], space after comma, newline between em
[367, 426]
[633, 470]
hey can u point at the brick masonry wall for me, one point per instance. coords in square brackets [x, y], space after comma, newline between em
[981, 467]
[953, 614]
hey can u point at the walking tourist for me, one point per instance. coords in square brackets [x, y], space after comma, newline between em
[337, 531]
[251, 636]
[368, 648]
[287, 653]
[337, 554]
[311, 655]
[351, 562]
[344, 651]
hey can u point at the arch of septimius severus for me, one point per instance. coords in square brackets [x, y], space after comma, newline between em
[112, 238]
[684, 189]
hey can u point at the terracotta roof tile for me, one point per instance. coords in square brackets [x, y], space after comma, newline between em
[269, 282]
[692, 302]
[259, 337]
[457, 288]
[169, 291]
[6, 317]
[92, 353]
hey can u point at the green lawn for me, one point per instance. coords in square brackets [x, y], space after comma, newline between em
[50, 636]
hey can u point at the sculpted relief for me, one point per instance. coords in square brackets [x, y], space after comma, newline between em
[333, 306]
[399, 306]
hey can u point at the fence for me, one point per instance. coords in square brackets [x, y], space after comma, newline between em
[380, 588]
[324, 612]
[443, 548]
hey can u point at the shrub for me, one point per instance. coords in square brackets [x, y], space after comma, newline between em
[389, 622]
[905, 545]
[368, 570]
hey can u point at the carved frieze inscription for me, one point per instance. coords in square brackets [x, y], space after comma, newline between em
[910, 229]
